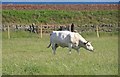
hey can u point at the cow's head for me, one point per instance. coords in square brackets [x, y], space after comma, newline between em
[88, 46]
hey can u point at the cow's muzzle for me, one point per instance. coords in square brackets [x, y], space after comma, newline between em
[92, 50]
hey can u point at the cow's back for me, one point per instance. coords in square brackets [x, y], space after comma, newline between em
[61, 38]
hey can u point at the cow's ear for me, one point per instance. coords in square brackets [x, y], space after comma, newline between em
[87, 41]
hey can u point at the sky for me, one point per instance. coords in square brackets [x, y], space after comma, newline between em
[60, 0]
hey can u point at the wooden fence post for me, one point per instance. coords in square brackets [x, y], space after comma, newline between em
[8, 32]
[54, 28]
[97, 30]
[41, 31]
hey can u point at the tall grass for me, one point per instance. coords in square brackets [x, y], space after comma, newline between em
[29, 56]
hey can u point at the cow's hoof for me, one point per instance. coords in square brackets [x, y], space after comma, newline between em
[69, 52]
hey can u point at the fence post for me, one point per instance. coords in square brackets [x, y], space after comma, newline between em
[97, 31]
[41, 31]
[8, 32]
[54, 28]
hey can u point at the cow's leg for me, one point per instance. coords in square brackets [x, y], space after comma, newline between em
[54, 48]
[78, 51]
[70, 47]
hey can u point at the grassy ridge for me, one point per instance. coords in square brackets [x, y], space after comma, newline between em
[60, 17]
[28, 56]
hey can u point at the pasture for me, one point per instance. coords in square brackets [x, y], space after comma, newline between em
[28, 55]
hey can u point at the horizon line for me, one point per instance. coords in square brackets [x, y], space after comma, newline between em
[60, 2]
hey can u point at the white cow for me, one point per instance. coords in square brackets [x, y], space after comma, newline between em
[68, 39]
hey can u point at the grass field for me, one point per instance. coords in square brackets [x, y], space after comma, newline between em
[29, 56]
[60, 17]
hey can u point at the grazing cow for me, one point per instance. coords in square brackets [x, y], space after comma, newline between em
[68, 39]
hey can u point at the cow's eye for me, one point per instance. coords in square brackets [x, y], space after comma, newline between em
[88, 45]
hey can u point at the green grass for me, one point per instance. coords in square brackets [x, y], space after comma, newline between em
[0, 54]
[60, 17]
[29, 56]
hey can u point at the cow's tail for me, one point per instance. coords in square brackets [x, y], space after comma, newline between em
[49, 45]
[50, 42]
